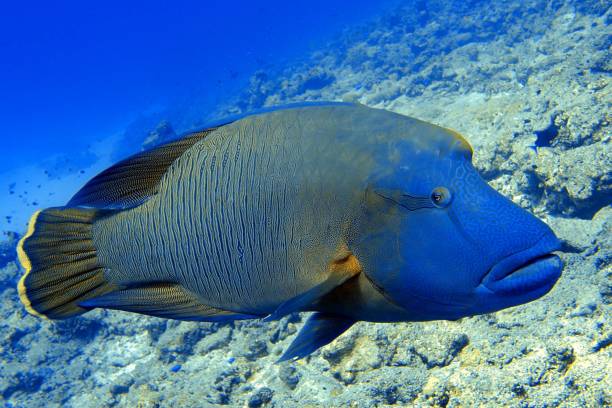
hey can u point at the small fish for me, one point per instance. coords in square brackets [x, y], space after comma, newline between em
[350, 212]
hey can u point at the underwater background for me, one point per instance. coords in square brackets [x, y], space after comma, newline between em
[526, 82]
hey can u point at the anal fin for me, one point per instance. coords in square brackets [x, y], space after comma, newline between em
[167, 300]
[320, 329]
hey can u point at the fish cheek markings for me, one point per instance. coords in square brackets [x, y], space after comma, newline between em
[382, 230]
[463, 177]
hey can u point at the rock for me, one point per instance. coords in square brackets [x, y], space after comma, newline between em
[254, 349]
[225, 384]
[581, 193]
[560, 358]
[122, 386]
[161, 134]
[440, 355]
[388, 386]
[289, 375]
[9, 276]
[8, 248]
[180, 339]
[315, 80]
[26, 382]
[80, 328]
[261, 397]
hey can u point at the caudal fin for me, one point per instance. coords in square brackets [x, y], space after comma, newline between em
[60, 262]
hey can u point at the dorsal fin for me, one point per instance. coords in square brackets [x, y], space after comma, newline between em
[132, 181]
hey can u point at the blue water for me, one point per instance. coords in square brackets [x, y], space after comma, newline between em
[73, 72]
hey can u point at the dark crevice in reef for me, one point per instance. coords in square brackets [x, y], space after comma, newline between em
[317, 81]
[569, 248]
[560, 204]
[586, 210]
[81, 329]
[26, 382]
[493, 173]
[545, 136]
[456, 346]
[533, 186]
[602, 344]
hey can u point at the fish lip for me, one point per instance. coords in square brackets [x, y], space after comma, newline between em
[537, 255]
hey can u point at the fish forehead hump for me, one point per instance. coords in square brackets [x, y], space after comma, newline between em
[364, 127]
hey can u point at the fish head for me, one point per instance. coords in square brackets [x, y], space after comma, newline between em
[436, 239]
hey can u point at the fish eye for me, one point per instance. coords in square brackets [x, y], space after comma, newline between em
[440, 197]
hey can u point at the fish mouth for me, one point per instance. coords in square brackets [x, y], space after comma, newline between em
[533, 269]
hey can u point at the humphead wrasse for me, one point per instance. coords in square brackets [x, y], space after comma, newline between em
[351, 212]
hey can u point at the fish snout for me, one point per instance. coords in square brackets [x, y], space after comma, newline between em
[529, 270]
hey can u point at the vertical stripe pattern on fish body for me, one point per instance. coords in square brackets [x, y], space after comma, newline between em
[245, 219]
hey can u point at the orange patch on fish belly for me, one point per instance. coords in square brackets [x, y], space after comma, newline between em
[345, 262]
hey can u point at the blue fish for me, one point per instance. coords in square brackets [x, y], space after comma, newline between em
[350, 212]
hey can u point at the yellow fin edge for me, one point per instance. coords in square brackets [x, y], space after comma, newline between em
[24, 260]
[462, 141]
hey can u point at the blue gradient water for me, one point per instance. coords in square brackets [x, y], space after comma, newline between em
[73, 72]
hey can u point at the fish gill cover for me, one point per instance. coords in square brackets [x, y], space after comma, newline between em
[528, 84]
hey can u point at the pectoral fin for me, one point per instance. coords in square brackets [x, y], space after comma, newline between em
[341, 270]
[319, 330]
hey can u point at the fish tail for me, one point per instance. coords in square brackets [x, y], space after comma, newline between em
[60, 262]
